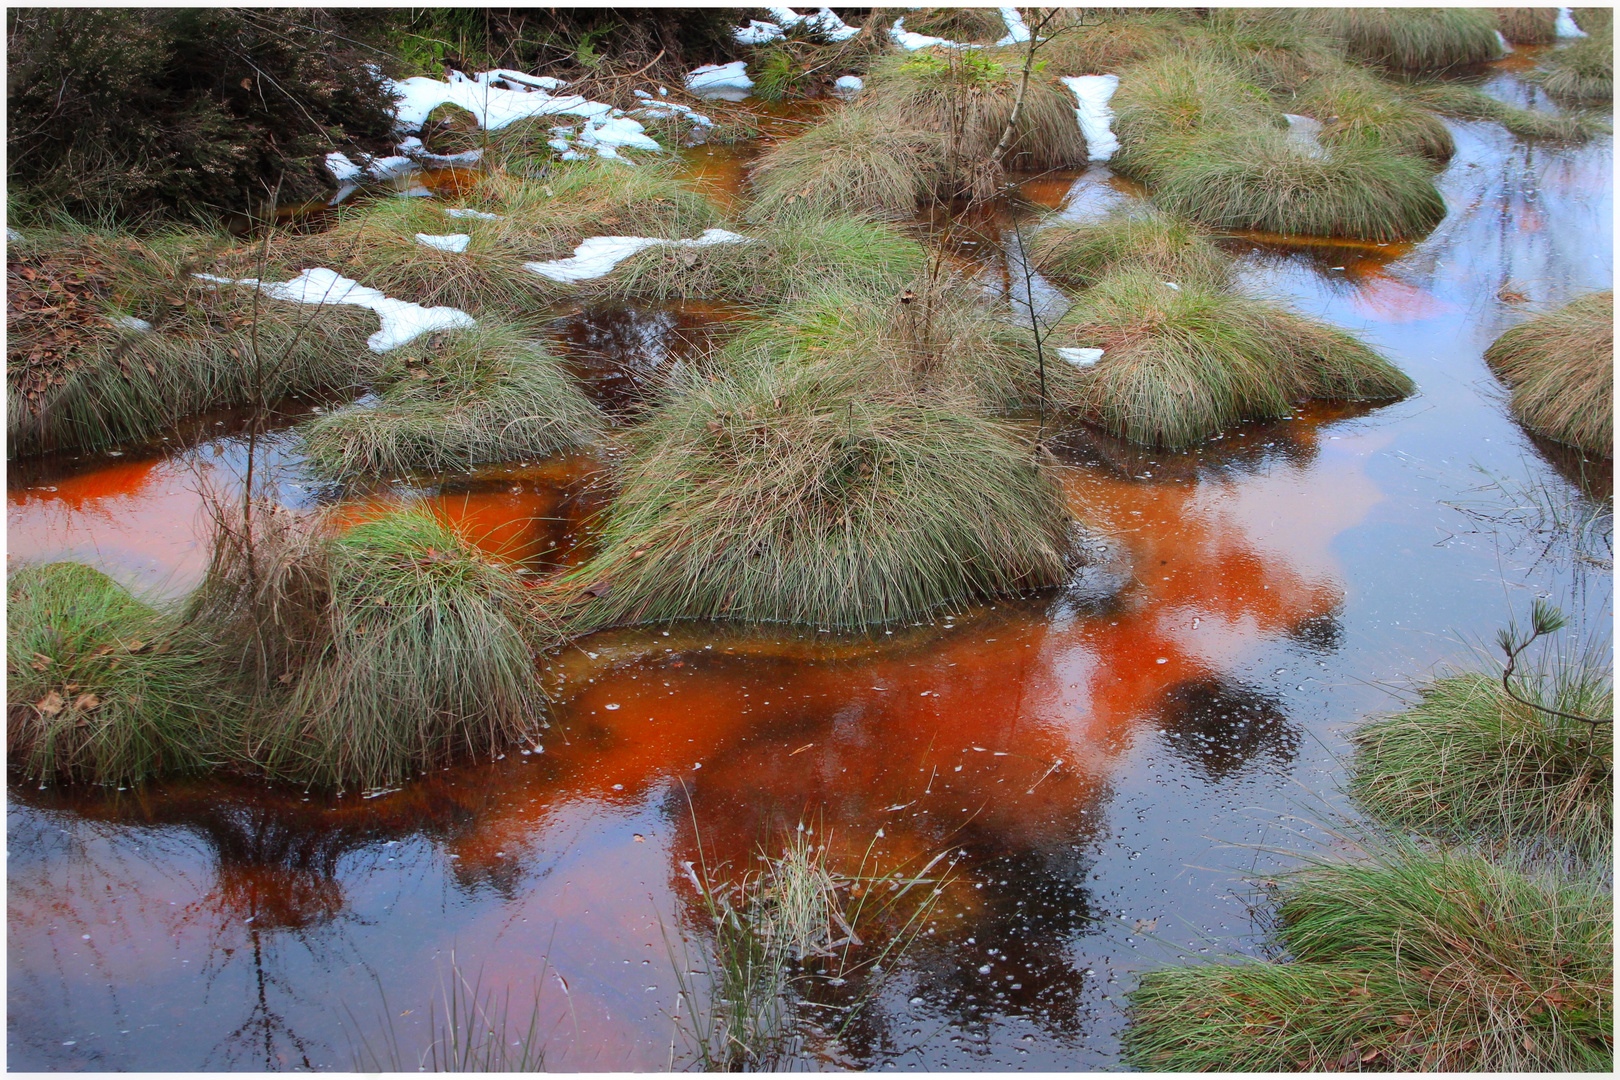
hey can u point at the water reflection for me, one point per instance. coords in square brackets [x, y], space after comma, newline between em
[623, 354]
[1219, 728]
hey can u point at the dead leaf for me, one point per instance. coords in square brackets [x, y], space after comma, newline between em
[86, 702]
[40, 662]
[51, 704]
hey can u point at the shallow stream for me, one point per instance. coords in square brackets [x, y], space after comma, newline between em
[1110, 766]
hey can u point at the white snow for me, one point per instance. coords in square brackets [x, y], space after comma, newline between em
[757, 33]
[1017, 29]
[342, 169]
[130, 322]
[847, 86]
[13, 236]
[456, 242]
[1503, 42]
[464, 212]
[1080, 358]
[401, 320]
[492, 107]
[598, 255]
[912, 42]
[723, 82]
[1566, 26]
[1303, 131]
[659, 109]
[1171, 285]
[1091, 95]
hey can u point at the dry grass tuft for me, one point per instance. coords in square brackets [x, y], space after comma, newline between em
[1561, 368]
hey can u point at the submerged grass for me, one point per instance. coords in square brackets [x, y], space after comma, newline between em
[1583, 69]
[1465, 102]
[769, 494]
[1180, 365]
[77, 380]
[99, 686]
[854, 161]
[1082, 253]
[371, 653]
[1410, 960]
[1467, 759]
[1561, 368]
[1411, 39]
[789, 255]
[455, 400]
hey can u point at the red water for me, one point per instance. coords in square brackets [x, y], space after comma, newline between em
[1106, 764]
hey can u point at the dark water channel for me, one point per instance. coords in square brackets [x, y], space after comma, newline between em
[1110, 764]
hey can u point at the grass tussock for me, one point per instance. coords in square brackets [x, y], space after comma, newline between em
[377, 245]
[1100, 42]
[1180, 365]
[967, 98]
[1409, 39]
[789, 255]
[545, 216]
[854, 161]
[1561, 368]
[1261, 179]
[1582, 70]
[980, 26]
[1467, 759]
[77, 380]
[1082, 253]
[770, 494]
[99, 686]
[1463, 102]
[1357, 108]
[371, 653]
[1527, 26]
[454, 400]
[1274, 52]
[1164, 102]
[1409, 961]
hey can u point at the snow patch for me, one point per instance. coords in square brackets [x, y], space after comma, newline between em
[722, 82]
[1080, 358]
[1017, 29]
[1502, 42]
[464, 212]
[492, 107]
[455, 242]
[130, 322]
[13, 236]
[847, 86]
[1303, 132]
[598, 255]
[1566, 26]
[1091, 95]
[401, 320]
[912, 42]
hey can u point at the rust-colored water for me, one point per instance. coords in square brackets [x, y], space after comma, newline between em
[1104, 767]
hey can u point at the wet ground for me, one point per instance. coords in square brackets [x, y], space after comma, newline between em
[1109, 766]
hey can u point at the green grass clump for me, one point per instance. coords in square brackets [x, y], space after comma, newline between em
[1082, 253]
[99, 686]
[1165, 102]
[377, 246]
[1409, 961]
[546, 216]
[1464, 102]
[1467, 759]
[769, 494]
[789, 255]
[1356, 107]
[1583, 69]
[853, 161]
[1180, 365]
[1527, 26]
[455, 400]
[967, 99]
[77, 381]
[371, 653]
[1411, 39]
[978, 25]
[1561, 368]
[1101, 41]
[1267, 48]
[1261, 179]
